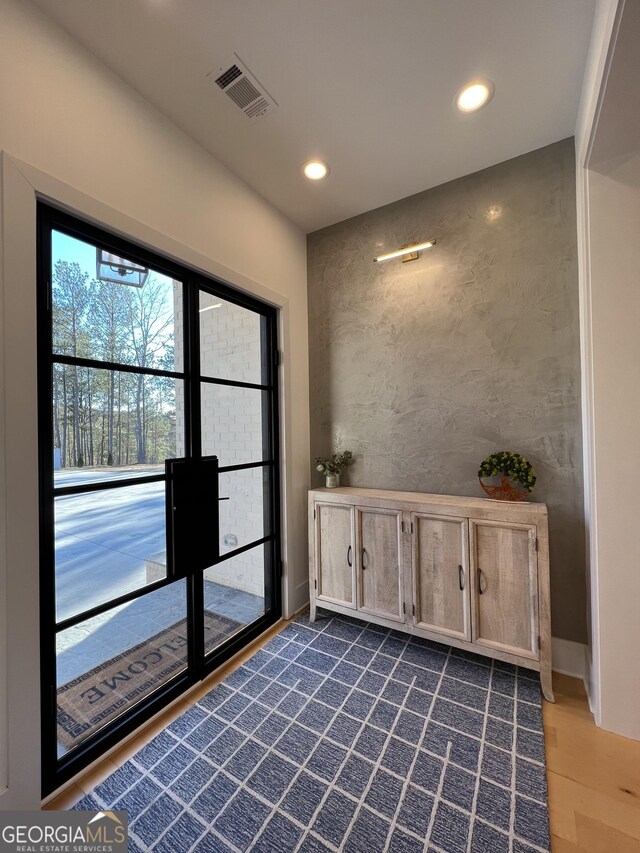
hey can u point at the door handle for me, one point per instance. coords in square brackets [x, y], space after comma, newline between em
[461, 577]
[480, 590]
[349, 563]
[364, 554]
[191, 492]
[224, 499]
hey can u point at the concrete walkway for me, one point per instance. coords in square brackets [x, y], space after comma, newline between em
[91, 643]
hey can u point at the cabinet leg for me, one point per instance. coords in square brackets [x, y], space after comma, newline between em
[545, 681]
[312, 610]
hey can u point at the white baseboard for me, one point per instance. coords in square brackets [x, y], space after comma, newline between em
[590, 687]
[569, 658]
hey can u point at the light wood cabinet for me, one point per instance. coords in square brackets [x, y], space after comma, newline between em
[468, 572]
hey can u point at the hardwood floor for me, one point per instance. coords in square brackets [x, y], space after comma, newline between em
[594, 776]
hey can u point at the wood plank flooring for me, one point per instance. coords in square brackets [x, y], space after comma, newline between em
[594, 776]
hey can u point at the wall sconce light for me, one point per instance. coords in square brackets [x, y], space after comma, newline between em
[409, 252]
[119, 270]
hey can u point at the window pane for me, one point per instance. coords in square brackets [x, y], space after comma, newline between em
[108, 543]
[108, 424]
[109, 663]
[234, 596]
[232, 424]
[242, 517]
[230, 341]
[125, 323]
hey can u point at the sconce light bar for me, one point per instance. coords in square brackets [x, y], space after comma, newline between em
[209, 307]
[413, 249]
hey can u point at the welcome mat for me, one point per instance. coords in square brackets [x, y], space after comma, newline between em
[343, 736]
[91, 700]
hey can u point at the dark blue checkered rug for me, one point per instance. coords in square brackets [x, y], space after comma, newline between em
[343, 736]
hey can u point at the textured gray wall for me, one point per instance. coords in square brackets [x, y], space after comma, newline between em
[422, 369]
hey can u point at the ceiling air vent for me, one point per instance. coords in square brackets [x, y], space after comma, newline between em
[246, 92]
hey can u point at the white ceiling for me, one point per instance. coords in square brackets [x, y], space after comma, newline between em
[367, 85]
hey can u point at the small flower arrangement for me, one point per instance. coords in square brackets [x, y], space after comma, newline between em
[332, 468]
[334, 465]
[513, 468]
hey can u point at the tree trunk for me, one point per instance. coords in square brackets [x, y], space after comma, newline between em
[77, 447]
[119, 419]
[140, 436]
[91, 460]
[112, 380]
[103, 433]
[56, 412]
[63, 453]
[127, 440]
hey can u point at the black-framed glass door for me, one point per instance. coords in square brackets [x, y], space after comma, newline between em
[158, 433]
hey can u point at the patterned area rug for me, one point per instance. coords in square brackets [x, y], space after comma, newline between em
[345, 736]
[88, 702]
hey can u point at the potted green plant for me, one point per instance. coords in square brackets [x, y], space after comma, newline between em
[332, 468]
[517, 476]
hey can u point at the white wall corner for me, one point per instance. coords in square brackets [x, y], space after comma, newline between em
[20, 714]
[607, 14]
[589, 686]
[4, 712]
[301, 599]
[569, 658]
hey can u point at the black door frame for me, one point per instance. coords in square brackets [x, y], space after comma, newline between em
[56, 771]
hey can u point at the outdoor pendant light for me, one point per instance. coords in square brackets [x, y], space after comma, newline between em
[119, 270]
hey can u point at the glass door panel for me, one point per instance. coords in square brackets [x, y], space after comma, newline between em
[118, 321]
[126, 424]
[109, 663]
[108, 543]
[230, 340]
[234, 596]
[148, 581]
[112, 357]
[242, 507]
[233, 423]
[237, 402]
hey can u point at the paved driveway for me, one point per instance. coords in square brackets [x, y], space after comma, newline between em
[103, 539]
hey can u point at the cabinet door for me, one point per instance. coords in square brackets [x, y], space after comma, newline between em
[441, 574]
[335, 557]
[380, 562]
[505, 587]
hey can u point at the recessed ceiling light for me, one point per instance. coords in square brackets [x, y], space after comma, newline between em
[315, 170]
[474, 95]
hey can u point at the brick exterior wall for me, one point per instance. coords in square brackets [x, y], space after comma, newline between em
[230, 348]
